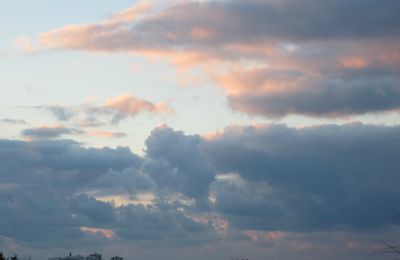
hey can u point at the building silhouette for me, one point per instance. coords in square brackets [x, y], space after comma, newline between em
[94, 256]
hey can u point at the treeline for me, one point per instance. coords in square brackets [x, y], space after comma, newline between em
[14, 257]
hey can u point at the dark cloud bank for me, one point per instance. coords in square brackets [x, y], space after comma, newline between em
[339, 93]
[272, 178]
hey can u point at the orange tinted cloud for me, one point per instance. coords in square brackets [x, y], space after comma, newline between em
[257, 236]
[200, 33]
[105, 134]
[131, 13]
[353, 62]
[25, 44]
[92, 37]
[71, 36]
[108, 233]
[113, 110]
[220, 40]
[144, 199]
[131, 105]
[261, 79]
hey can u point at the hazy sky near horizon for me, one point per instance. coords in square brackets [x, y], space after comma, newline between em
[219, 129]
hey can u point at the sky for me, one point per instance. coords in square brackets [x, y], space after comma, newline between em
[213, 129]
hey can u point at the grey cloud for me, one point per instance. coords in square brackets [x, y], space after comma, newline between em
[192, 175]
[84, 115]
[312, 19]
[97, 213]
[316, 178]
[61, 113]
[128, 181]
[65, 156]
[49, 132]
[26, 213]
[43, 179]
[238, 22]
[65, 164]
[172, 227]
[47, 188]
[13, 121]
[329, 97]
[371, 72]
[271, 178]
[113, 111]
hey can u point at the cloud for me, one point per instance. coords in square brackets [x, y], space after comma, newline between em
[103, 231]
[161, 225]
[131, 13]
[130, 106]
[58, 188]
[44, 132]
[129, 182]
[223, 38]
[76, 36]
[111, 112]
[191, 176]
[264, 185]
[13, 121]
[105, 134]
[43, 180]
[317, 178]
[66, 163]
[231, 22]
[61, 113]
[91, 210]
[278, 94]
[25, 44]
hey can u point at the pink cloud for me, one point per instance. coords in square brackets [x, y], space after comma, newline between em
[92, 114]
[252, 63]
[94, 37]
[104, 134]
[108, 233]
[131, 13]
[260, 236]
[128, 106]
[353, 62]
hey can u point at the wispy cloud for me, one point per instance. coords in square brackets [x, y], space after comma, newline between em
[105, 134]
[25, 44]
[12, 121]
[111, 112]
[130, 106]
[61, 113]
[45, 132]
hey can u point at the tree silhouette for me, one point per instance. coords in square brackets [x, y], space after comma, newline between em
[2, 256]
[388, 249]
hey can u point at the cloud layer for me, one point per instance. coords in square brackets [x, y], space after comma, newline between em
[244, 183]
[273, 58]
[309, 179]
